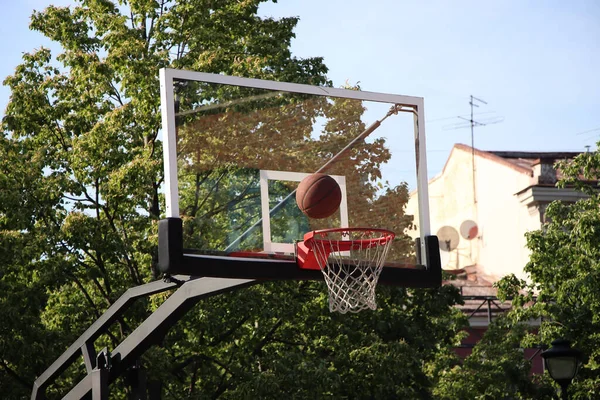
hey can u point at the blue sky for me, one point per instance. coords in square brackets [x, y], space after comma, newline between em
[536, 63]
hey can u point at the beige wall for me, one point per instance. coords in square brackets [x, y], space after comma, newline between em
[502, 219]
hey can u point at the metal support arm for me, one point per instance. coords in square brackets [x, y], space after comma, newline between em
[84, 344]
[153, 329]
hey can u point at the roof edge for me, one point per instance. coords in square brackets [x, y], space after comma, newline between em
[492, 157]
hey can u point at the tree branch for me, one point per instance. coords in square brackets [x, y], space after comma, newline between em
[258, 349]
[116, 95]
[228, 333]
[193, 380]
[86, 295]
[16, 376]
[194, 358]
[130, 265]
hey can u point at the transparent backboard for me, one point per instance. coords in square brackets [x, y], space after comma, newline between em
[236, 150]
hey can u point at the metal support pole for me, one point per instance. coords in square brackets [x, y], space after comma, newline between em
[89, 356]
[99, 376]
[137, 380]
[99, 384]
[564, 395]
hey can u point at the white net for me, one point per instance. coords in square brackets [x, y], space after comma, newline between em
[351, 261]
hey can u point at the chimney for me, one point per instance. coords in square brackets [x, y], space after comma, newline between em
[544, 172]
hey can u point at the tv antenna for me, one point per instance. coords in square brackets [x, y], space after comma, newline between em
[470, 122]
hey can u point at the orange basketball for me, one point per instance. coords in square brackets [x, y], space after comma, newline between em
[318, 196]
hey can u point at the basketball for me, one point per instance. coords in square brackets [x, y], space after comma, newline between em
[318, 196]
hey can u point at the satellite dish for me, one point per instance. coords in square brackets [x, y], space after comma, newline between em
[469, 229]
[448, 237]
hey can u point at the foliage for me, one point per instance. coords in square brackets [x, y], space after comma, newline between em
[80, 178]
[496, 368]
[565, 269]
[24, 270]
[562, 292]
[561, 295]
[300, 349]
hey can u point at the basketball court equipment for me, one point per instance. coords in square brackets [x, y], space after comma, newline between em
[236, 151]
[351, 260]
[318, 196]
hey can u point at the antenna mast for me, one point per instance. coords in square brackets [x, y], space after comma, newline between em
[473, 123]
[474, 102]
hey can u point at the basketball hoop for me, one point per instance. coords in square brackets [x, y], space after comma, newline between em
[351, 260]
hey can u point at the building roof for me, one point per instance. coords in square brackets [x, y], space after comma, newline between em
[527, 159]
[522, 161]
[478, 294]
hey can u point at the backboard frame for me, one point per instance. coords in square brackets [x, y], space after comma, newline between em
[410, 104]
[265, 177]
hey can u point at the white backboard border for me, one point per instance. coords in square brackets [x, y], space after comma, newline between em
[268, 175]
[409, 103]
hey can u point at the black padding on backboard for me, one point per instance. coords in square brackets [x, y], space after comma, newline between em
[434, 261]
[243, 268]
[172, 260]
[170, 244]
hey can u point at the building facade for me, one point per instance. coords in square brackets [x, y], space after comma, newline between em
[481, 206]
[484, 202]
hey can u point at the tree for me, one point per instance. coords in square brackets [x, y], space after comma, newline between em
[565, 270]
[24, 269]
[562, 293]
[496, 368]
[80, 174]
[282, 339]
